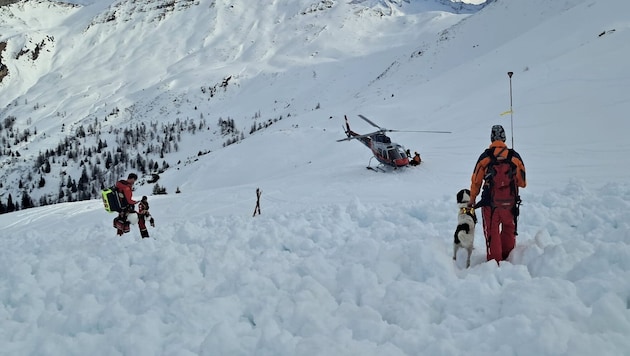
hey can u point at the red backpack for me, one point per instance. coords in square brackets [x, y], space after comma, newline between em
[500, 177]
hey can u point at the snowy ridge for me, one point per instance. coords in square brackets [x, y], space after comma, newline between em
[28, 55]
[155, 10]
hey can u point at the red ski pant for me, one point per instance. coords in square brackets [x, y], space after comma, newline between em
[143, 226]
[498, 228]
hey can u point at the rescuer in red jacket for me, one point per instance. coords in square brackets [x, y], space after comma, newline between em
[124, 187]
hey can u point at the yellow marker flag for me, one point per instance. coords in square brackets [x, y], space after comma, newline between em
[506, 112]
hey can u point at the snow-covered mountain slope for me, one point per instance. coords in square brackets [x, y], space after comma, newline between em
[114, 65]
[343, 260]
[139, 62]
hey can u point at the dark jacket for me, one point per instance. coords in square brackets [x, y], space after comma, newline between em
[143, 209]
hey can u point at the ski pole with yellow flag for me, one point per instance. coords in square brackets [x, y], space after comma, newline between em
[511, 112]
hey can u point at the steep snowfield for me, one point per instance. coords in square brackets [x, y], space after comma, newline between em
[343, 260]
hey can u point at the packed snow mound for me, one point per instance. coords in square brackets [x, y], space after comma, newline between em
[344, 279]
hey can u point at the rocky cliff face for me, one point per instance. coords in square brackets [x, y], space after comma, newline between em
[152, 10]
[4, 71]
[7, 2]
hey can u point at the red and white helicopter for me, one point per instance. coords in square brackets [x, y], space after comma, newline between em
[386, 152]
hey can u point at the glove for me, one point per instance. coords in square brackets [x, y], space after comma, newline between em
[152, 222]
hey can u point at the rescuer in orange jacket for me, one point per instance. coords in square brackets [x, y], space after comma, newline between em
[416, 159]
[499, 214]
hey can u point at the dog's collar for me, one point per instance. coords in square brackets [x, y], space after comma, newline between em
[468, 211]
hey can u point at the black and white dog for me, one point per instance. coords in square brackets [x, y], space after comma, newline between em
[466, 221]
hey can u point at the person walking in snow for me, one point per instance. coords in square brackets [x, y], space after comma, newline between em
[143, 215]
[125, 192]
[501, 172]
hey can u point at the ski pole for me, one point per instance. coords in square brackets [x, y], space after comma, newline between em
[511, 112]
[257, 207]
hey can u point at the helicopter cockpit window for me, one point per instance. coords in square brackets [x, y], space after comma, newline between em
[402, 152]
[394, 154]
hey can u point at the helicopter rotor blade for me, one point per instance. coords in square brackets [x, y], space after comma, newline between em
[388, 130]
[424, 131]
[359, 136]
[347, 139]
[370, 122]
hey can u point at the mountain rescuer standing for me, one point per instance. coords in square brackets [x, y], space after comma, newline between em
[501, 172]
[143, 215]
[124, 188]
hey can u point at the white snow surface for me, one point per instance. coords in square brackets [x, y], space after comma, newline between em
[342, 260]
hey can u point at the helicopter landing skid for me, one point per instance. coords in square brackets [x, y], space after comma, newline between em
[378, 168]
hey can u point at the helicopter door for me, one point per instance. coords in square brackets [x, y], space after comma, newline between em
[382, 152]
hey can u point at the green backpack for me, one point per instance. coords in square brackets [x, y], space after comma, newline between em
[111, 200]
